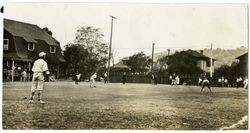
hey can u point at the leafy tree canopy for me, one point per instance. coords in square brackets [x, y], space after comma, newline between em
[88, 52]
[139, 62]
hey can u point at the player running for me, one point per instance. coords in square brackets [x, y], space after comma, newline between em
[92, 80]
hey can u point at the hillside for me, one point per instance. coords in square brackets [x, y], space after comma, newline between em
[225, 56]
[222, 56]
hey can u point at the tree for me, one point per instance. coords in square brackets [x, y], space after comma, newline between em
[139, 62]
[224, 70]
[162, 63]
[89, 53]
[92, 40]
[182, 63]
[76, 57]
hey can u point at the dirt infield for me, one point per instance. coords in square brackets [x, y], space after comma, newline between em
[129, 106]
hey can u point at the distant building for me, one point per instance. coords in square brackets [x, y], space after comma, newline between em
[22, 43]
[242, 67]
[121, 65]
[203, 61]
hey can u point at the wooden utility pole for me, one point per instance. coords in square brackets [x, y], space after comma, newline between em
[211, 61]
[152, 68]
[108, 76]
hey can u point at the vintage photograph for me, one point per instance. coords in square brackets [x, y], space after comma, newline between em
[132, 66]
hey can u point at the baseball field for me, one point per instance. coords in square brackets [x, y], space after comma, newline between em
[129, 106]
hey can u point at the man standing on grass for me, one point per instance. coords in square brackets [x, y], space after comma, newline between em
[40, 70]
[105, 77]
[124, 77]
[78, 76]
[205, 82]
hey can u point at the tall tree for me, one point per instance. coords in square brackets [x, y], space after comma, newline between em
[162, 63]
[76, 57]
[139, 62]
[91, 52]
[92, 39]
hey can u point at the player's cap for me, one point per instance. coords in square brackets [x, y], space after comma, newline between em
[41, 54]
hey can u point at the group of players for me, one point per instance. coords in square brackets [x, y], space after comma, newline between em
[40, 70]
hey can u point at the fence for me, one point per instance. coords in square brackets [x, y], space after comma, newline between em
[189, 79]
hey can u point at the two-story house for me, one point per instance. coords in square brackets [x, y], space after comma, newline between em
[203, 61]
[22, 43]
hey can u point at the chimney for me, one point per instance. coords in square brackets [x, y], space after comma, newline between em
[168, 52]
[201, 52]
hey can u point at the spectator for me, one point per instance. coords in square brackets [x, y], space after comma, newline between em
[238, 82]
[78, 76]
[24, 76]
[222, 81]
[226, 83]
[219, 82]
[105, 77]
[124, 78]
[173, 79]
[152, 79]
[170, 79]
[177, 80]
[245, 82]
[156, 79]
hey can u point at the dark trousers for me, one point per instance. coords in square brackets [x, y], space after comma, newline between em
[105, 80]
[123, 80]
[207, 85]
[76, 81]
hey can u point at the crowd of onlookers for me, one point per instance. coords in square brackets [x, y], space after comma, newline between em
[239, 82]
[174, 79]
[21, 74]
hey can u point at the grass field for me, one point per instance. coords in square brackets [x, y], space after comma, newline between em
[118, 106]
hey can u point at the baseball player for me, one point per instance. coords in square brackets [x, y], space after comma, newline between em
[78, 76]
[205, 82]
[40, 70]
[92, 80]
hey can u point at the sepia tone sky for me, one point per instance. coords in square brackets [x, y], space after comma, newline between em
[173, 26]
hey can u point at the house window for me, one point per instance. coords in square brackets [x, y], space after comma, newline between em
[208, 63]
[31, 46]
[52, 49]
[5, 44]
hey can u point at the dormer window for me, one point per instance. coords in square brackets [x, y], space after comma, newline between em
[31, 46]
[52, 49]
[5, 44]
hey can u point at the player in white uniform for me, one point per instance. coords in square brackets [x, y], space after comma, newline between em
[92, 80]
[39, 68]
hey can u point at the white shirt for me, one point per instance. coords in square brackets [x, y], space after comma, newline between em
[245, 81]
[24, 73]
[40, 66]
[93, 76]
[78, 76]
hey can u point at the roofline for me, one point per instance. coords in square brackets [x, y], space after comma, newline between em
[241, 55]
[20, 22]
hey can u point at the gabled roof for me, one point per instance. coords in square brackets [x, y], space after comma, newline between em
[29, 32]
[121, 65]
[242, 56]
[196, 54]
